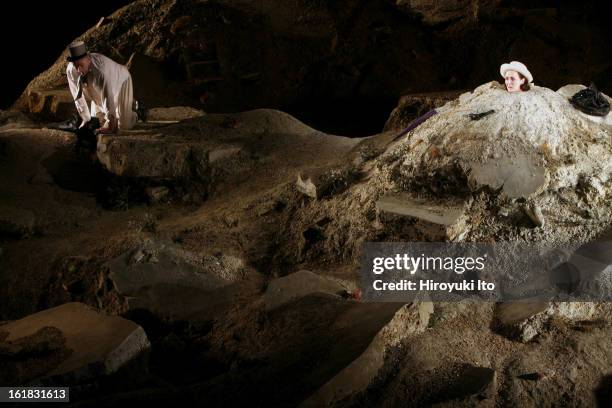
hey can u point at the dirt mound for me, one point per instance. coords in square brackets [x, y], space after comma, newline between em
[534, 170]
[538, 127]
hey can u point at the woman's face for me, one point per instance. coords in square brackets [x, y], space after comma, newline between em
[513, 81]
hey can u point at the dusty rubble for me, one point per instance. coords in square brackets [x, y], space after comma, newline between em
[240, 243]
[535, 162]
[225, 247]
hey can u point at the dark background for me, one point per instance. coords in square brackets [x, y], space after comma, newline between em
[571, 47]
[34, 34]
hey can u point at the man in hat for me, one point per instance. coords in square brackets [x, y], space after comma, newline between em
[107, 84]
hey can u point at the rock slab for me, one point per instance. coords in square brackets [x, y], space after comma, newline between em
[99, 344]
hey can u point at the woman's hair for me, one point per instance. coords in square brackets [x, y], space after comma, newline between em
[525, 85]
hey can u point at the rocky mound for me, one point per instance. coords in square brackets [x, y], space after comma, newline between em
[535, 169]
[533, 141]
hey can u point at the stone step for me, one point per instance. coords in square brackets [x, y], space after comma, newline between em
[81, 344]
[434, 220]
[296, 285]
[55, 104]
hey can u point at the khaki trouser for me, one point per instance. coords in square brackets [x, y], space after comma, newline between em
[125, 104]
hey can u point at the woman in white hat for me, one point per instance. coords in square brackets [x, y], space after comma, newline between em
[516, 76]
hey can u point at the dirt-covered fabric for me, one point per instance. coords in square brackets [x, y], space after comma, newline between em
[591, 102]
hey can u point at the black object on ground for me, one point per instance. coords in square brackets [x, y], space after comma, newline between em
[478, 116]
[70, 125]
[86, 135]
[590, 101]
[141, 111]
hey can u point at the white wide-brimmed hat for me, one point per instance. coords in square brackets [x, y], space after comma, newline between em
[518, 67]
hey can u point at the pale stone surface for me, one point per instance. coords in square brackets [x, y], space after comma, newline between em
[173, 114]
[306, 186]
[321, 182]
[518, 177]
[435, 219]
[525, 320]
[296, 285]
[166, 280]
[166, 263]
[521, 320]
[100, 344]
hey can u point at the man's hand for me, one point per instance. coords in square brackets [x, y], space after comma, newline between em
[111, 126]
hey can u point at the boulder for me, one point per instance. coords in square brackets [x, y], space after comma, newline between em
[155, 158]
[297, 285]
[214, 151]
[527, 145]
[14, 119]
[56, 103]
[89, 344]
[378, 328]
[434, 220]
[533, 151]
[322, 182]
[524, 320]
[587, 273]
[517, 177]
[521, 320]
[170, 282]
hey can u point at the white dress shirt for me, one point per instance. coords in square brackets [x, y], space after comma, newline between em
[101, 85]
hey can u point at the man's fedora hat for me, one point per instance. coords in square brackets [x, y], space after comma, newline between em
[77, 50]
[518, 67]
